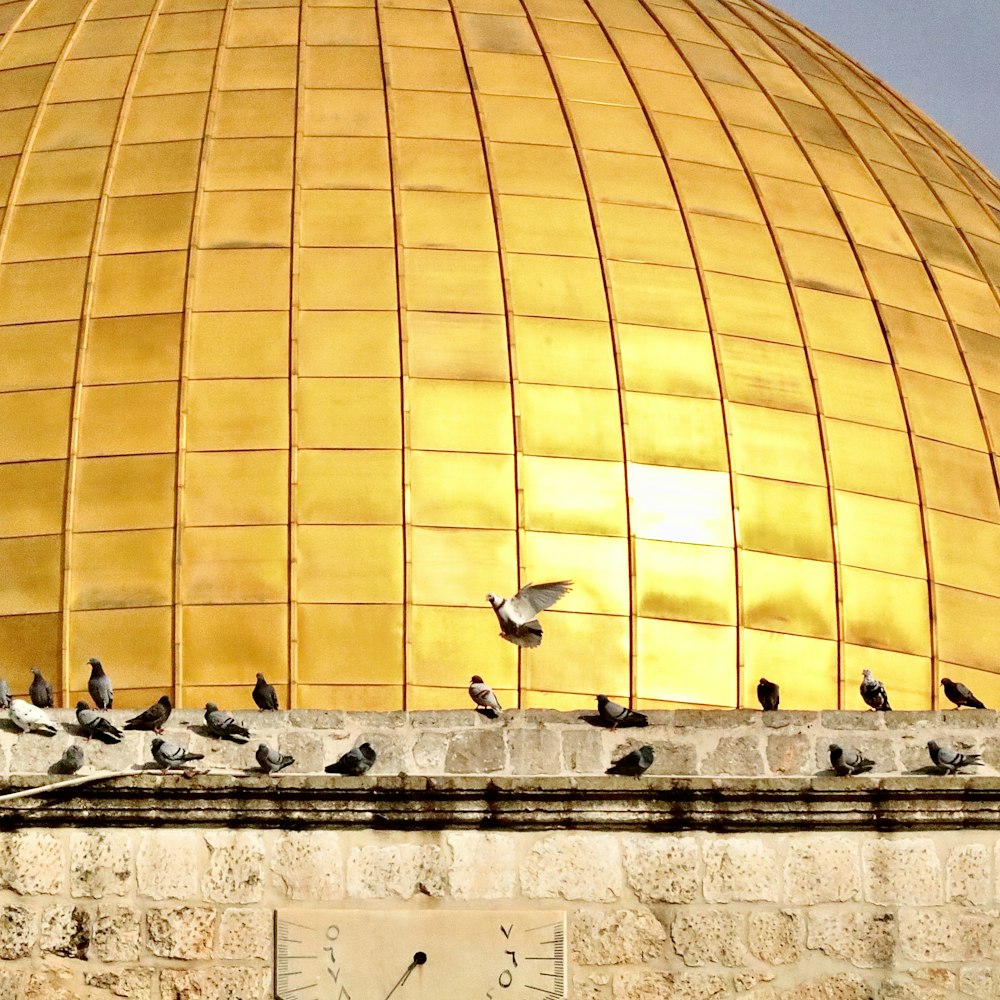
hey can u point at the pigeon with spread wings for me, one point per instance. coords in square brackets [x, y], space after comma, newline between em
[516, 614]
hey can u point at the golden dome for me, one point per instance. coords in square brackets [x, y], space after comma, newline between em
[319, 323]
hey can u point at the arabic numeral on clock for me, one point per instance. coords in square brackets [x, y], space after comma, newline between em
[332, 934]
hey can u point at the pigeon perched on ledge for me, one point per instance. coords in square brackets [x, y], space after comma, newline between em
[873, 692]
[355, 762]
[271, 761]
[169, 755]
[616, 715]
[958, 693]
[633, 764]
[768, 694]
[482, 694]
[40, 690]
[951, 760]
[223, 725]
[847, 761]
[30, 718]
[94, 724]
[70, 762]
[154, 718]
[264, 695]
[99, 685]
[516, 614]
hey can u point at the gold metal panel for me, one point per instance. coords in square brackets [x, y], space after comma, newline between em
[717, 191]
[114, 569]
[523, 119]
[88, 79]
[789, 519]
[174, 72]
[570, 642]
[433, 114]
[152, 222]
[569, 287]
[137, 283]
[957, 479]
[228, 641]
[885, 611]
[923, 344]
[649, 50]
[165, 117]
[254, 112]
[236, 565]
[641, 233]
[23, 87]
[577, 41]
[461, 346]
[570, 421]
[352, 697]
[629, 179]
[32, 574]
[362, 278]
[777, 444]
[680, 505]
[438, 164]
[695, 583]
[37, 291]
[660, 360]
[38, 355]
[785, 594]
[446, 220]
[350, 563]
[907, 678]
[131, 491]
[875, 533]
[344, 26]
[241, 279]
[133, 349]
[771, 375]
[234, 414]
[546, 226]
[373, 656]
[985, 683]
[346, 219]
[821, 262]
[983, 359]
[968, 627]
[747, 307]
[542, 171]
[494, 31]
[967, 212]
[666, 652]
[858, 389]
[460, 565]
[572, 495]
[348, 343]
[242, 164]
[245, 218]
[236, 487]
[656, 296]
[970, 301]
[348, 413]
[186, 30]
[965, 552]
[585, 80]
[460, 416]
[867, 459]
[899, 281]
[841, 324]
[34, 424]
[617, 129]
[430, 28]
[564, 352]
[135, 643]
[846, 173]
[112, 37]
[693, 139]
[237, 344]
[327, 487]
[266, 68]
[778, 654]
[673, 93]
[515, 74]
[941, 409]
[265, 26]
[875, 225]
[33, 495]
[548, 555]
[426, 69]
[739, 105]
[773, 155]
[794, 205]
[675, 430]
[152, 168]
[453, 489]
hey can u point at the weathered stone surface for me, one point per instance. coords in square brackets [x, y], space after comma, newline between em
[483, 865]
[583, 751]
[740, 869]
[306, 746]
[902, 871]
[735, 755]
[615, 937]
[905, 988]
[391, 746]
[851, 720]
[115, 934]
[12, 983]
[979, 981]
[18, 932]
[65, 931]
[180, 931]
[228, 983]
[303, 718]
[429, 751]
[714, 937]
[53, 982]
[945, 934]
[167, 864]
[822, 869]
[534, 751]
[35, 754]
[573, 866]
[662, 869]
[592, 986]
[632, 985]
[32, 863]
[245, 934]
[100, 864]
[402, 870]
[235, 871]
[441, 718]
[968, 875]
[866, 940]
[309, 865]
[775, 937]
[670, 757]
[133, 984]
[480, 751]
[707, 718]
[744, 981]
[839, 986]
[789, 753]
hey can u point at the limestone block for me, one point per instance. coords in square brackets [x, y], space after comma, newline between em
[787, 718]
[133, 984]
[235, 871]
[713, 937]
[483, 865]
[167, 863]
[583, 751]
[122, 756]
[32, 863]
[534, 751]
[100, 864]
[309, 865]
[401, 870]
[35, 754]
[822, 869]
[979, 981]
[707, 718]
[454, 718]
[904, 988]
[936, 977]
[480, 751]
[744, 981]
[180, 931]
[429, 751]
[789, 753]
[902, 871]
[662, 868]
[53, 983]
[225, 754]
[851, 720]
[839, 986]
[245, 934]
[945, 934]
[392, 748]
[968, 875]
[881, 749]
[740, 869]
[227, 983]
[12, 983]
[670, 756]
[633, 985]
[866, 940]
[65, 931]
[591, 986]
[734, 755]
[573, 866]
[303, 718]
[18, 932]
[306, 746]
[115, 934]
[615, 937]
[775, 937]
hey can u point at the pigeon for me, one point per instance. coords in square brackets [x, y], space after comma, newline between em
[873, 692]
[29, 717]
[99, 685]
[516, 614]
[951, 760]
[264, 695]
[169, 755]
[271, 760]
[94, 724]
[70, 762]
[40, 690]
[847, 761]
[153, 718]
[4, 694]
[616, 715]
[957, 692]
[482, 694]
[223, 725]
[355, 762]
[634, 763]
[768, 694]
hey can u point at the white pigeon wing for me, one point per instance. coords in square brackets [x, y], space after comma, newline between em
[535, 597]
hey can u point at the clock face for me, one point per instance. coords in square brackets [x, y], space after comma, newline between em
[420, 954]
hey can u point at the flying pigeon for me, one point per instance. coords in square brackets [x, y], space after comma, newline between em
[847, 761]
[271, 760]
[873, 692]
[264, 695]
[94, 724]
[223, 725]
[633, 764]
[355, 762]
[768, 694]
[4, 694]
[957, 692]
[951, 760]
[40, 690]
[169, 755]
[30, 717]
[516, 614]
[70, 762]
[99, 685]
[482, 694]
[154, 718]
[616, 715]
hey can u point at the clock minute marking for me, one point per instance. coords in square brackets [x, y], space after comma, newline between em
[419, 958]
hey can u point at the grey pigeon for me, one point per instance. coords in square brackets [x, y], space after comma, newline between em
[633, 764]
[40, 690]
[99, 685]
[768, 694]
[482, 694]
[516, 614]
[951, 760]
[94, 724]
[615, 715]
[873, 693]
[29, 718]
[847, 761]
[264, 695]
[958, 693]
[4, 694]
[154, 717]
[355, 762]
[70, 762]
[271, 760]
[169, 755]
[223, 725]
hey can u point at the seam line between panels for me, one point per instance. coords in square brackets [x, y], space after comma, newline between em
[9, 33]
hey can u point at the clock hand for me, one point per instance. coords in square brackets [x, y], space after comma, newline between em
[419, 958]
